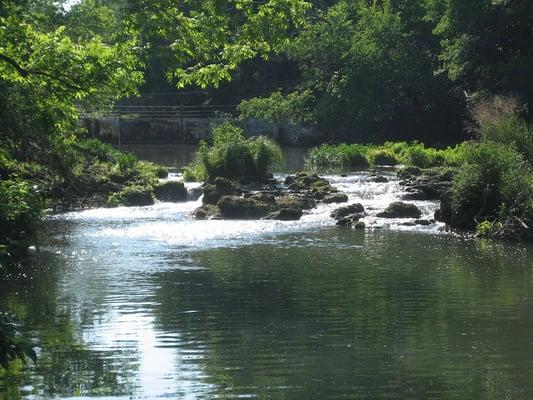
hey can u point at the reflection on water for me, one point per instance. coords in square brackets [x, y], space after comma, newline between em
[147, 303]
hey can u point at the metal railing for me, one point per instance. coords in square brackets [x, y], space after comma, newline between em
[164, 112]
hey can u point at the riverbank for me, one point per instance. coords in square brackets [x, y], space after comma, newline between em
[84, 174]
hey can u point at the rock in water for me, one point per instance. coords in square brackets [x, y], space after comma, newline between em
[335, 198]
[356, 208]
[294, 201]
[286, 214]
[221, 187]
[399, 209]
[234, 207]
[206, 211]
[359, 225]
[172, 191]
[378, 179]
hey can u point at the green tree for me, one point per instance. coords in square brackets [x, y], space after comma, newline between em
[486, 45]
[371, 67]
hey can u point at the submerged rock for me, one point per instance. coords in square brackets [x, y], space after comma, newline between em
[399, 209]
[172, 191]
[356, 208]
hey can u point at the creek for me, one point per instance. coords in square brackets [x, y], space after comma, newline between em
[147, 302]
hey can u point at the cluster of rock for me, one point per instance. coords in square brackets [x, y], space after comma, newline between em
[303, 191]
[429, 184]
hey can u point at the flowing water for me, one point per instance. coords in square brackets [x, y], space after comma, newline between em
[147, 303]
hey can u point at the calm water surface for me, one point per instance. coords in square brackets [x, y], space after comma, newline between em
[148, 303]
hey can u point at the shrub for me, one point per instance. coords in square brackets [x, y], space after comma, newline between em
[266, 154]
[233, 156]
[494, 183]
[420, 156]
[126, 161]
[21, 207]
[99, 150]
[133, 195]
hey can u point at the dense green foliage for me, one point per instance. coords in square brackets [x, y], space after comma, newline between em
[277, 108]
[231, 155]
[402, 69]
[494, 180]
[493, 190]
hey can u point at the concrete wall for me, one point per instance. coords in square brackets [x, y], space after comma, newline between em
[188, 130]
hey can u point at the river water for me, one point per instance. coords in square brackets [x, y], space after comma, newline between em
[147, 303]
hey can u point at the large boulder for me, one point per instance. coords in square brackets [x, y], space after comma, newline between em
[399, 209]
[356, 208]
[172, 191]
[312, 185]
[234, 207]
[220, 187]
[286, 214]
